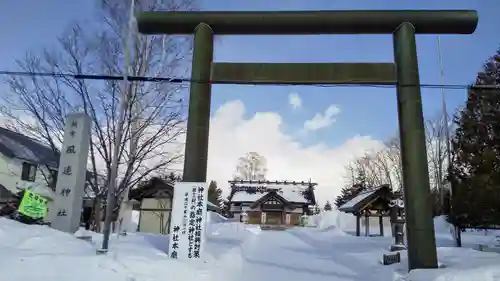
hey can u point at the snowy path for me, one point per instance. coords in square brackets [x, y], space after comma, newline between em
[294, 255]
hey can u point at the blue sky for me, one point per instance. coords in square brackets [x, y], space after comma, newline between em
[29, 25]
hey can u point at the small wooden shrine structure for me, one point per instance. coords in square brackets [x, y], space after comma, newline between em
[155, 198]
[372, 202]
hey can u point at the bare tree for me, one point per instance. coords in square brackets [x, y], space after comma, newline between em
[437, 153]
[155, 113]
[385, 166]
[350, 174]
[252, 166]
[378, 167]
[393, 154]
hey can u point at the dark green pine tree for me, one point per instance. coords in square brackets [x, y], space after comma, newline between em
[328, 206]
[347, 193]
[475, 170]
[316, 209]
[214, 194]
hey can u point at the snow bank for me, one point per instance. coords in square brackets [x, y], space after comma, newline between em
[460, 264]
[326, 219]
[332, 219]
[442, 226]
[213, 217]
[30, 251]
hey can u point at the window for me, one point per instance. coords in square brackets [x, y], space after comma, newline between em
[53, 179]
[28, 172]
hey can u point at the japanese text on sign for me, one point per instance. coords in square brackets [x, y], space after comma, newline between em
[188, 219]
[67, 170]
[33, 205]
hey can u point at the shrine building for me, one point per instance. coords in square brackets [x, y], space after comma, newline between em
[271, 202]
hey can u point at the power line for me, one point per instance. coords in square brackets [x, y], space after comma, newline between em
[174, 80]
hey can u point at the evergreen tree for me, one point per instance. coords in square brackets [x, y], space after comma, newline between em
[172, 177]
[214, 194]
[316, 209]
[328, 206]
[475, 170]
[347, 193]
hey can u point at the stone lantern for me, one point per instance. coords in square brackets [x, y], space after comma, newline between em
[244, 217]
[397, 223]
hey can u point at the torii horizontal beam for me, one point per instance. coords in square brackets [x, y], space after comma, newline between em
[309, 22]
[304, 73]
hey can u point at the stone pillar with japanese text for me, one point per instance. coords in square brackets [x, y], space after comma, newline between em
[189, 216]
[72, 171]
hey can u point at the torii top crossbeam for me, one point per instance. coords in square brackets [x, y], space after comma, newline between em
[309, 22]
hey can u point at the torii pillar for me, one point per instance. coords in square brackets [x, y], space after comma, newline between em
[403, 73]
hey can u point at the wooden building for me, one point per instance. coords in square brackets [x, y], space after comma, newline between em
[271, 202]
[373, 202]
[155, 205]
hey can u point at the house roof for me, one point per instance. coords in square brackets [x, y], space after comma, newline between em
[16, 145]
[149, 188]
[5, 193]
[270, 195]
[155, 184]
[252, 191]
[360, 201]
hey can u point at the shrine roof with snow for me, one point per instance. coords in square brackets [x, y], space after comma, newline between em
[363, 199]
[291, 191]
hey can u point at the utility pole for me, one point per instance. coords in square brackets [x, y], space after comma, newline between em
[122, 110]
[448, 145]
[445, 116]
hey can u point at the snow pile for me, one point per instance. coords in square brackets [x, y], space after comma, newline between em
[232, 252]
[329, 220]
[442, 227]
[30, 251]
[332, 219]
[325, 219]
[213, 217]
[460, 264]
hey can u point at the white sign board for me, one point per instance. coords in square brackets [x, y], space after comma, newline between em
[189, 215]
[263, 218]
[66, 211]
[288, 218]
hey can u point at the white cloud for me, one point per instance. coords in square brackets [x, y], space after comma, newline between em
[232, 135]
[294, 100]
[322, 120]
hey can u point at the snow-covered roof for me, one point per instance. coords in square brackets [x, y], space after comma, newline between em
[16, 145]
[361, 197]
[292, 191]
[210, 204]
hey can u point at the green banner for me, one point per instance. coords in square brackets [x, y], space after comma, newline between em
[33, 205]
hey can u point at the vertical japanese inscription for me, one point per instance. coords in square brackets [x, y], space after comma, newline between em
[185, 213]
[198, 220]
[72, 173]
[175, 242]
[189, 209]
[192, 221]
[70, 149]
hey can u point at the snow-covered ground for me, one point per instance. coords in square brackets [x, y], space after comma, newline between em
[236, 252]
